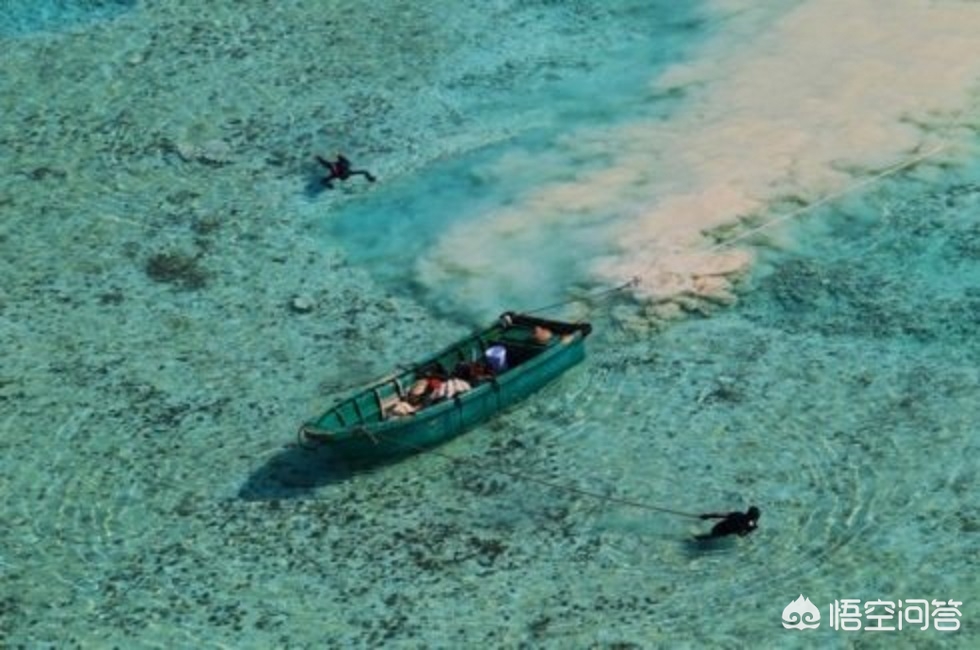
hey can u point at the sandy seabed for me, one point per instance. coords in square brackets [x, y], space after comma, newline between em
[174, 305]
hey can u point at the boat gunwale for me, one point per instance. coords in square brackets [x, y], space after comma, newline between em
[561, 343]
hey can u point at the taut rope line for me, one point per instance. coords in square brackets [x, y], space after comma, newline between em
[596, 294]
[554, 486]
[833, 196]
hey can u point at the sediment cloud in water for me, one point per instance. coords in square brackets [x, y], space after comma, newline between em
[778, 110]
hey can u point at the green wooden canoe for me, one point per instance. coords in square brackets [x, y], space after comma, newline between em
[361, 427]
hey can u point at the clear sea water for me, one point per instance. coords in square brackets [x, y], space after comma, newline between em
[160, 214]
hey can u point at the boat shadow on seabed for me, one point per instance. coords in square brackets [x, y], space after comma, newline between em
[296, 472]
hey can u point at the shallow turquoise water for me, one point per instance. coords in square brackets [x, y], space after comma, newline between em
[24, 17]
[154, 499]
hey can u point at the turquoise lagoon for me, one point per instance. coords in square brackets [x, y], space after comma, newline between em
[159, 215]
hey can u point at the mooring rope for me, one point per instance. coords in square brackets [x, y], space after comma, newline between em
[833, 196]
[571, 489]
[635, 280]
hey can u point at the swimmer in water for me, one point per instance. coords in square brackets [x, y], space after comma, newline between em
[732, 523]
[340, 169]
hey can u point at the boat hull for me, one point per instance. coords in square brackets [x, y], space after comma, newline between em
[395, 437]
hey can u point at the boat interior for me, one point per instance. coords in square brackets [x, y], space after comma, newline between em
[373, 405]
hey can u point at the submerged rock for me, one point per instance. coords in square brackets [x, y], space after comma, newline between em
[179, 269]
[302, 304]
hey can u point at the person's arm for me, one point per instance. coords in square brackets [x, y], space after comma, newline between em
[714, 515]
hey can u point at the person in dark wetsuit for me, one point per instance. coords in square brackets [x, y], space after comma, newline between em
[732, 523]
[340, 169]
